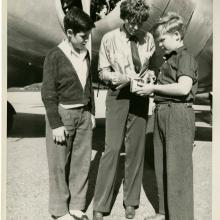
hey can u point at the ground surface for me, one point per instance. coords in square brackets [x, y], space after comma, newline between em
[27, 171]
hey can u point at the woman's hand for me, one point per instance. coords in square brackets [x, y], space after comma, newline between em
[144, 89]
[132, 76]
[118, 78]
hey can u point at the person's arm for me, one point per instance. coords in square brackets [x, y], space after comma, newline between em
[104, 65]
[113, 77]
[186, 75]
[50, 98]
[181, 88]
[92, 103]
[106, 71]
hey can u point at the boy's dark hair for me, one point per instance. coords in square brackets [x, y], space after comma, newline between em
[135, 11]
[169, 23]
[77, 20]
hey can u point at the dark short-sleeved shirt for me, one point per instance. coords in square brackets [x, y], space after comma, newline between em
[178, 63]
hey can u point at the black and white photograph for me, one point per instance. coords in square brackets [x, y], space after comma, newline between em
[110, 110]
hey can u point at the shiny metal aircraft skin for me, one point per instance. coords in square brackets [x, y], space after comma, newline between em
[34, 27]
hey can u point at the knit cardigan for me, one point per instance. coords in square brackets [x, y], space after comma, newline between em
[62, 85]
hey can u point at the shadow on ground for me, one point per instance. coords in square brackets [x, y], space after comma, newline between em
[203, 133]
[27, 126]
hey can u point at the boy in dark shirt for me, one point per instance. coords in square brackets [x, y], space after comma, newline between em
[69, 101]
[174, 121]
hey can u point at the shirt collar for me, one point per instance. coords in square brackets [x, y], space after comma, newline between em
[124, 32]
[174, 52]
[65, 45]
[180, 49]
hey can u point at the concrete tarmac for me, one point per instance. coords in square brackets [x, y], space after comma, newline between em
[27, 171]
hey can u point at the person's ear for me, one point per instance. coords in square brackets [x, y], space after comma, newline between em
[177, 36]
[69, 34]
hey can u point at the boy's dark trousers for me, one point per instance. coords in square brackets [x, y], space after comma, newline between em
[174, 130]
[125, 122]
[69, 164]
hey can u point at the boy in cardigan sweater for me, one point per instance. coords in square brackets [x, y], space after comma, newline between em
[69, 101]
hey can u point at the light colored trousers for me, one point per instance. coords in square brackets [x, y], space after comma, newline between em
[69, 164]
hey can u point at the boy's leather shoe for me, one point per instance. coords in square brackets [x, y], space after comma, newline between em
[64, 217]
[97, 215]
[156, 217]
[129, 212]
